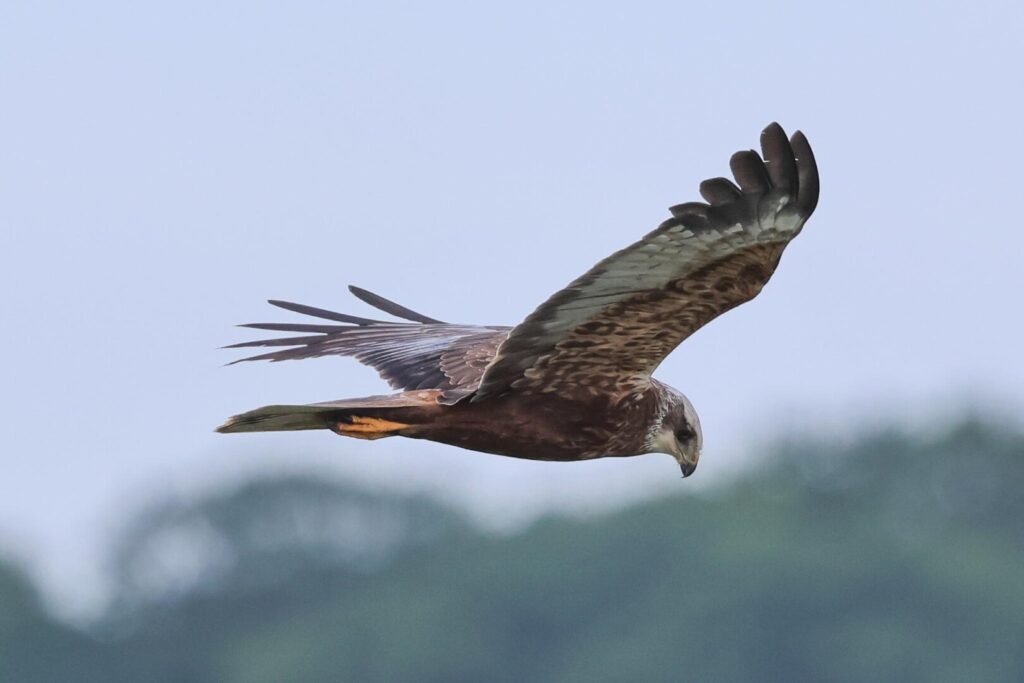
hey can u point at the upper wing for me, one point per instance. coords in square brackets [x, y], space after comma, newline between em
[608, 330]
[424, 354]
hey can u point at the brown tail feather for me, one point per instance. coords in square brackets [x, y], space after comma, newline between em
[363, 418]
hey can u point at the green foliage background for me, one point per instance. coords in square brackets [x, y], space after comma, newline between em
[895, 558]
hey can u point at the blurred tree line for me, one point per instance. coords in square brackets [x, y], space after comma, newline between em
[893, 558]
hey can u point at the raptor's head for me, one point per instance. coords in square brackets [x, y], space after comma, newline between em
[679, 434]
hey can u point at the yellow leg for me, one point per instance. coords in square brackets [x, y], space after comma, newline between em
[368, 427]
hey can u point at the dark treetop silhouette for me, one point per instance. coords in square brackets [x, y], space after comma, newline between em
[573, 380]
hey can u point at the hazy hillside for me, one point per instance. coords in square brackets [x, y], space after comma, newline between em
[893, 559]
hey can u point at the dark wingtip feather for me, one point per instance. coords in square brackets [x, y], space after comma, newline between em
[693, 215]
[301, 327]
[280, 341]
[275, 356]
[807, 173]
[322, 313]
[778, 158]
[388, 306]
[717, 191]
[749, 171]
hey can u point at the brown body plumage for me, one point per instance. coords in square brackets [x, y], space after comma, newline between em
[572, 381]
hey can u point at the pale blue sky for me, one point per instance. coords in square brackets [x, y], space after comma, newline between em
[165, 169]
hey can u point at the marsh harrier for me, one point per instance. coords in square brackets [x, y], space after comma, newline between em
[573, 380]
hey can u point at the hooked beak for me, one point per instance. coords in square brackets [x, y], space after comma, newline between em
[688, 457]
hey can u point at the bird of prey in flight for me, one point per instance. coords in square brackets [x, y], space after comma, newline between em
[573, 380]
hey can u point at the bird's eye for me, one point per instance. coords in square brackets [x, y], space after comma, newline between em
[685, 433]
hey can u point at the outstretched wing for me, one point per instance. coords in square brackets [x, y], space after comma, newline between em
[607, 331]
[422, 354]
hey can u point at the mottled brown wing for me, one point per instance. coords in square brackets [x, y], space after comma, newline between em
[424, 354]
[607, 331]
